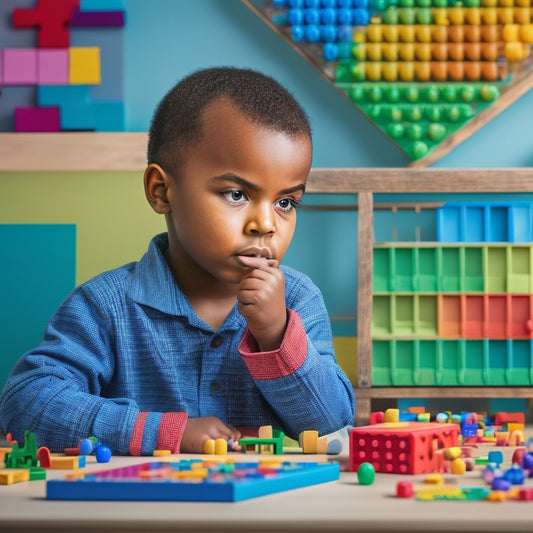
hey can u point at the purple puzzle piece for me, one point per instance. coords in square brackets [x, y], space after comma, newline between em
[96, 18]
[37, 119]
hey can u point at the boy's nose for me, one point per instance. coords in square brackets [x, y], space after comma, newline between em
[261, 221]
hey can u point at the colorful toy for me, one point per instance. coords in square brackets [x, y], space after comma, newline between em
[403, 447]
[191, 480]
[421, 70]
[25, 457]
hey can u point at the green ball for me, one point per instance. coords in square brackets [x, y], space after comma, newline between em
[415, 132]
[394, 113]
[436, 132]
[415, 113]
[489, 93]
[449, 94]
[375, 94]
[453, 114]
[420, 149]
[468, 93]
[395, 130]
[357, 93]
[393, 94]
[433, 113]
[412, 93]
[366, 474]
[432, 94]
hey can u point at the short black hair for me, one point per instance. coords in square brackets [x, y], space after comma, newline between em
[176, 123]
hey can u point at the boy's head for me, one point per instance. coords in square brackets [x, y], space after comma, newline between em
[177, 121]
[229, 155]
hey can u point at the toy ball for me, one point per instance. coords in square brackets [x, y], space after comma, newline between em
[102, 454]
[366, 474]
[86, 447]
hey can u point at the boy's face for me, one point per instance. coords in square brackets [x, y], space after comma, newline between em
[234, 195]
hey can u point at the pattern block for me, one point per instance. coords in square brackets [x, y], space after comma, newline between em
[19, 66]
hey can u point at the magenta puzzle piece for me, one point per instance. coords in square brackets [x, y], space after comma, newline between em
[97, 18]
[37, 119]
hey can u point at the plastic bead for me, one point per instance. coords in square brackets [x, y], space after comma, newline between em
[366, 474]
[86, 447]
[102, 454]
[404, 489]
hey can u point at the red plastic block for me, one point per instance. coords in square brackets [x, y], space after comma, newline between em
[37, 119]
[51, 17]
[402, 448]
[504, 418]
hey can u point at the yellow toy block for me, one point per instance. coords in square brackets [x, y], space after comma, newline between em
[391, 415]
[308, 440]
[84, 66]
[209, 446]
[58, 462]
[8, 476]
[161, 453]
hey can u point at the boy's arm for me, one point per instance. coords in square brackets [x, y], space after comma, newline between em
[55, 390]
[301, 380]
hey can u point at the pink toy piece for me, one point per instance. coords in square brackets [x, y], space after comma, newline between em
[52, 66]
[37, 119]
[96, 18]
[19, 66]
[43, 455]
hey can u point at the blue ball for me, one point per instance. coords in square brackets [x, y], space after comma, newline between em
[103, 454]
[86, 447]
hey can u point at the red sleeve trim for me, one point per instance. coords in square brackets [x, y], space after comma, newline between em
[171, 428]
[136, 440]
[277, 363]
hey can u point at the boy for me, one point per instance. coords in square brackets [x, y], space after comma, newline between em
[206, 334]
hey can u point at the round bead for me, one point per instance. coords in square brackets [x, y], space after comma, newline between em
[102, 454]
[366, 474]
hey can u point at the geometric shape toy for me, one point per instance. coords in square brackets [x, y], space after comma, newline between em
[37, 119]
[52, 66]
[403, 447]
[84, 66]
[20, 66]
[191, 480]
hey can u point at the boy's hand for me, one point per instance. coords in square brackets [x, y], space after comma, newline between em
[261, 299]
[198, 430]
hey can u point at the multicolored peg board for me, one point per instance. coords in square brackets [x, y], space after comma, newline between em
[63, 74]
[192, 480]
[427, 73]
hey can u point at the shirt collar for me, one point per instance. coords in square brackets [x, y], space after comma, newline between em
[154, 285]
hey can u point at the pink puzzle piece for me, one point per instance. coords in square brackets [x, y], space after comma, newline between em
[37, 119]
[20, 66]
[51, 17]
[52, 67]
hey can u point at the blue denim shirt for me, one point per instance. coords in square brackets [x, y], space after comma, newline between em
[129, 341]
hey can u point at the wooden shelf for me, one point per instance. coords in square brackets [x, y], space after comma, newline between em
[72, 151]
[365, 183]
[522, 82]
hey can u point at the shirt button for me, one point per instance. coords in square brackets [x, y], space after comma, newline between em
[216, 342]
[215, 386]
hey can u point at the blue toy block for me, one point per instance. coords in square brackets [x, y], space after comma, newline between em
[76, 117]
[102, 5]
[60, 95]
[179, 481]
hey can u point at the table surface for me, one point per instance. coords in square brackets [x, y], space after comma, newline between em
[342, 505]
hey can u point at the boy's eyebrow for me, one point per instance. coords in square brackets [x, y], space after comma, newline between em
[252, 186]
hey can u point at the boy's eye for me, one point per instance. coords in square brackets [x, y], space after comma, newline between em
[286, 204]
[235, 195]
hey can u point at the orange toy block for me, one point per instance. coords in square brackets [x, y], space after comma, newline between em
[308, 441]
[403, 448]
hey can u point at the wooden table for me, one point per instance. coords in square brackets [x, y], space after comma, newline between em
[342, 505]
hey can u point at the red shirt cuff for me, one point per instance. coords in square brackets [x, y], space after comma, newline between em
[171, 428]
[288, 358]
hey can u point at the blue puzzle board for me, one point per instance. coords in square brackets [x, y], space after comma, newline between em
[192, 480]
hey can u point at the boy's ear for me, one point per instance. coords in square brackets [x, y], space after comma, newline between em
[155, 188]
